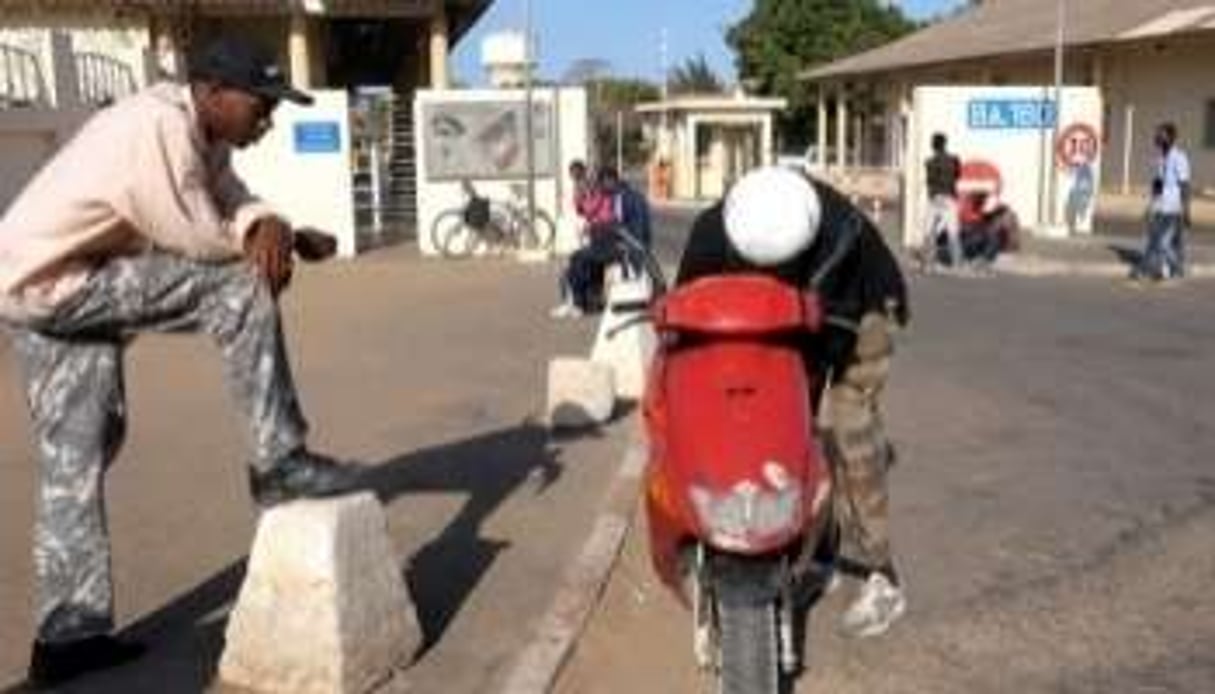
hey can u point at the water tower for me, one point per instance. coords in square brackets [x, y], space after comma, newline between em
[504, 57]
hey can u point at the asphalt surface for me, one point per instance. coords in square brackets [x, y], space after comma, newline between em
[431, 373]
[1054, 504]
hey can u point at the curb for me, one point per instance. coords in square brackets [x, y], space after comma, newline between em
[536, 669]
[1038, 266]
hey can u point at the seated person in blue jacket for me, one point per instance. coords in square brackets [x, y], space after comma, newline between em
[583, 279]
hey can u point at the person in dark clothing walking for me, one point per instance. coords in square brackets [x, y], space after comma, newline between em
[777, 222]
[942, 171]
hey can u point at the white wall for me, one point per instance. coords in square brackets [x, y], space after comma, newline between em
[553, 193]
[310, 188]
[28, 137]
[127, 41]
[1146, 85]
[1019, 152]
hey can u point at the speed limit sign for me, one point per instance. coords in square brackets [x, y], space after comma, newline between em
[1078, 145]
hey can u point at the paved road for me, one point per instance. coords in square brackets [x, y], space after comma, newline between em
[1054, 506]
[432, 372]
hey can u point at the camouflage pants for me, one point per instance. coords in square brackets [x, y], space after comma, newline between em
[72, 362]
[863, 454]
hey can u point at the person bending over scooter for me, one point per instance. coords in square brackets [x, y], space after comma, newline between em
[767, 224]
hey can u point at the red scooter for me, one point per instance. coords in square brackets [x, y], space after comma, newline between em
[737, 488]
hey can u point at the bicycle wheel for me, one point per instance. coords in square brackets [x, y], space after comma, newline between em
[539, 236]
[450, 236]
[532, 237]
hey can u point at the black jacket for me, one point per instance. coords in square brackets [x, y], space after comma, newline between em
[867, 278]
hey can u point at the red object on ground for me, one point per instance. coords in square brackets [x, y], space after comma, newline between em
[979, 181]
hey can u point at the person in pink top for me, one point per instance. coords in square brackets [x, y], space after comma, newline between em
[139, 224]
[582, 278]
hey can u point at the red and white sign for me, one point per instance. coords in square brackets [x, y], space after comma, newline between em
[1078, 145]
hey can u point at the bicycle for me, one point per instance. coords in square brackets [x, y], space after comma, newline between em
[485, 225]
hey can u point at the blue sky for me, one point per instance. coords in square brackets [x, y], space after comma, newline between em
[626, 33]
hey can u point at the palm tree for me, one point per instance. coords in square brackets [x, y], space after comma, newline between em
[695, 76]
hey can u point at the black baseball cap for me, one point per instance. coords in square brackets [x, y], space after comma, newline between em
[241, 64]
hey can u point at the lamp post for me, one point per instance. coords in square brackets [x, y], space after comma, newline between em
[1060, 41]
[529, 126]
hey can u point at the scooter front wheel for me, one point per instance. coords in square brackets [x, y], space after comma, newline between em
[749, 641]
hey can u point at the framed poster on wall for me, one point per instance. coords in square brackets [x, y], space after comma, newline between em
[486, 139]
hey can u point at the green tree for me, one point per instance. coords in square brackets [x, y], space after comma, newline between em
[695, 76]
[608, 97]
[780, 39]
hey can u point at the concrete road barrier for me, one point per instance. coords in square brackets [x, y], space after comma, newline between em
[581, 393]
[324, 608]
[625, 341]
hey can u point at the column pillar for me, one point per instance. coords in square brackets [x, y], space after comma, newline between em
[693, 158]
[821, 140]
[299, 52]
[860, 134]
[765, 156]
[439, 47]
[841, 129]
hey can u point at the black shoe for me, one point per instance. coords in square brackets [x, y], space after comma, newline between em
[302, 475]
[56, 663]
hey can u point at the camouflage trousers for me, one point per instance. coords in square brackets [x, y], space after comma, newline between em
[72, 362]
[863, 455]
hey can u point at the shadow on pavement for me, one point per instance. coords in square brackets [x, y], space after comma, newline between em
[490, 468]
[185, 637]
[1131, 257]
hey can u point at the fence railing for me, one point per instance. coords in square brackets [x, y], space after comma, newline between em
[21, 79]
[101, 80]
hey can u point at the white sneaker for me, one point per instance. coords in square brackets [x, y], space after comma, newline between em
[878, 606]
[565, 310]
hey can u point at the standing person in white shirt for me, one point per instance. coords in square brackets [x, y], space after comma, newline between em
[941, 174]
[1168, 212]
[140, 225]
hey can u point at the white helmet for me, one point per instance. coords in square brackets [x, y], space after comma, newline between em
[771, 215]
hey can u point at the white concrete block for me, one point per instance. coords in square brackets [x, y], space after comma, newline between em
[581, 393]
[623, 342]
[533, 256]
[323, 608]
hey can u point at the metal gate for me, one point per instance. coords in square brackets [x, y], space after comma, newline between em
[385, 167]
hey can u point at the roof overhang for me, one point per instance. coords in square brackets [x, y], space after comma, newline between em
[1018, 28]
[462, 12]
[715, 104]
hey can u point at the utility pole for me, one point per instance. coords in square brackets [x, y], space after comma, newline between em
[620, 142]
[664, 65]
[529, 125]
[1060, 42]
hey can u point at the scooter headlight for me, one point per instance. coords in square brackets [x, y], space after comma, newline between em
[750, 511]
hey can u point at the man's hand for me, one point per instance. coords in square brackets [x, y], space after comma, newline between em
[268, 249]
[314, 246]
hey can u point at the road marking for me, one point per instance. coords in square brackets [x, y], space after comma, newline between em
[536, 670]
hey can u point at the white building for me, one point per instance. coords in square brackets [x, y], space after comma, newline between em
[59, 59]
[709, 141]
[1150, 58]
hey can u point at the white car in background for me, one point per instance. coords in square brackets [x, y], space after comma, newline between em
[807, 161]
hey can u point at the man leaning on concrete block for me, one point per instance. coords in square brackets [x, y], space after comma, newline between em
[139, 224]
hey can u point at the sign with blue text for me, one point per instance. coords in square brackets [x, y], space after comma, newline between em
[317, 137]
[1011, 114]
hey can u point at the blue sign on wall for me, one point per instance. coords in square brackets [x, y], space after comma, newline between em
[318, 137]
[1011, 114]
